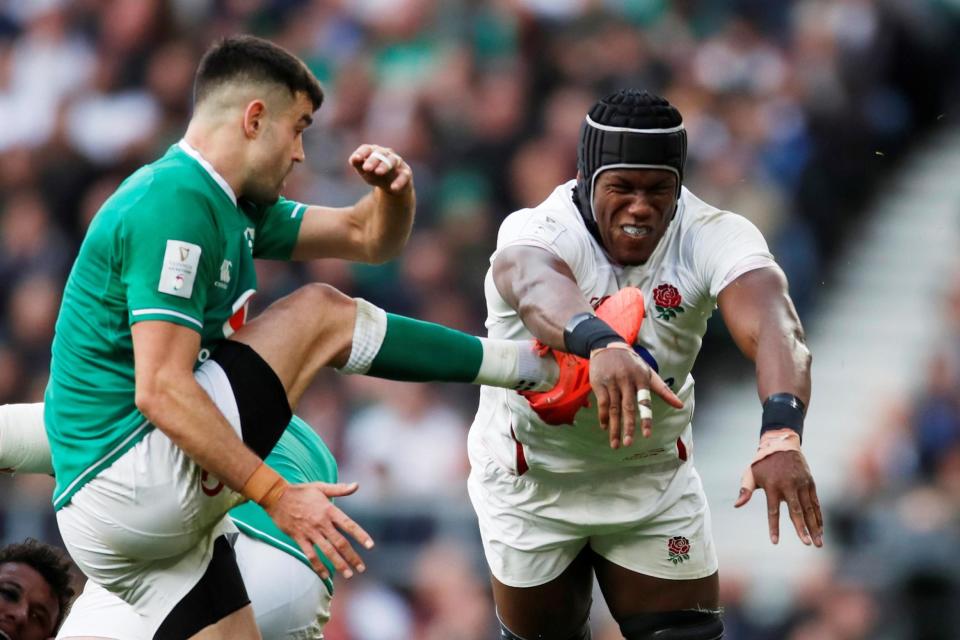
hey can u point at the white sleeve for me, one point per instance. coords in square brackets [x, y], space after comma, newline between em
[727, 246]
[543, 229]
[24, 447]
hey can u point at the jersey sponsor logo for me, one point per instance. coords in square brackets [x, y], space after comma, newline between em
[179, 270]
[210, 484]
[239, 317]
[250, 233]
[224, 274]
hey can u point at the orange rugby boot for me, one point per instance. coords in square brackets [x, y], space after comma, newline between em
[623, 311]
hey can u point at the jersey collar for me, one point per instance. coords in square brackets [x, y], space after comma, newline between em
[193, 153]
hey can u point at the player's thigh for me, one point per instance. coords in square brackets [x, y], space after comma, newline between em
[664, 563]
[541, 576]
[239, 625]
[628, 593]
[553, 610]
[290, 601]
[97, 613]
[296, 335]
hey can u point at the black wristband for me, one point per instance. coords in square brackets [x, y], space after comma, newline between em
[783, 411]
[586, 332]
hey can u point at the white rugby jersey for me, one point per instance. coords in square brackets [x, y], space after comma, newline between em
[702, 251]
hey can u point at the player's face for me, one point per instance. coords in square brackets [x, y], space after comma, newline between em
[633, 209]
[28, 606]
[280, 147]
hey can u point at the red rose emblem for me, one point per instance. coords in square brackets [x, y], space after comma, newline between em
[667, 295]
[667, 299]
[679, 549]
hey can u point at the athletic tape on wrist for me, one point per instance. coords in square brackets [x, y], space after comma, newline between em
[264, 486]
[783, 410]
[771, 442]
[586, 332]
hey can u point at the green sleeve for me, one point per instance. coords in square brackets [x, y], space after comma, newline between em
[169, 249]
[278, 227]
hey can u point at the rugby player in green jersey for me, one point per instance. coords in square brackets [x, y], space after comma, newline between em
[158, 385]
[289, 600]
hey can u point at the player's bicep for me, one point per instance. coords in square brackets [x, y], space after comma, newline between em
[162, 351]
[752, 301]
[522, 272]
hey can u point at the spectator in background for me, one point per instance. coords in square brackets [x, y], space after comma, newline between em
[408, 427]
[36, 590]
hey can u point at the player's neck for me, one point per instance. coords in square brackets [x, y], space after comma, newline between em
[218, 150]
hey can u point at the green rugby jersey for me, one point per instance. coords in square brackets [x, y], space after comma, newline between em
[171, 244]
[299, 456]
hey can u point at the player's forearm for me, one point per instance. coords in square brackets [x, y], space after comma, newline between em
[387, 220]
[545, 310]
[783, 361]
[187, 415]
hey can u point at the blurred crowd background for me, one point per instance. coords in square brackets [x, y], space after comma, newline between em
[797, 111]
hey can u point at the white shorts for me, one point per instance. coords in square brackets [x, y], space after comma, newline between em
[290, 602]
[144, 528]
[652, 520]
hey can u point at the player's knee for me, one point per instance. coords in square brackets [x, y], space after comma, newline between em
[582, 633]
[689, 624]
[319, 296]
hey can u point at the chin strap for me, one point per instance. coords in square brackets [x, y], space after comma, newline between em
[586, 216]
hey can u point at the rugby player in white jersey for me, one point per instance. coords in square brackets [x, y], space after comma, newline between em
[158, 382]
[289, 599]
[560, 503]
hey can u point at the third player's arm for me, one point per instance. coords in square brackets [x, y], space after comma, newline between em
[172, 400]
[373, 230]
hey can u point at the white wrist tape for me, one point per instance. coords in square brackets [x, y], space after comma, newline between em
[24, 446]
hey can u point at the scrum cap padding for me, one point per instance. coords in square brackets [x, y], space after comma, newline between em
[630, 130]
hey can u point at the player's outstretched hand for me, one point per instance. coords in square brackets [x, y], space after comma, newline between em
[785, 477]
[305, 513]
[382, 167]
[617, 375]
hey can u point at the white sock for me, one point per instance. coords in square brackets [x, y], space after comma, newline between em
[515, 365]
[23, 439]
[368, 334]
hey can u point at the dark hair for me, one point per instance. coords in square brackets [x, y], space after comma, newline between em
[257, 60]
[49, 562]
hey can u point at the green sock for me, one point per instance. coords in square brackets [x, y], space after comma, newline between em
[420, 351]
[386, 345]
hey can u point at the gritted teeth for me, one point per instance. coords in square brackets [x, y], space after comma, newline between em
[636, 231]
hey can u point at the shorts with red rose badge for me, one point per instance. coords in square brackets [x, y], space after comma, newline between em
[653, 520]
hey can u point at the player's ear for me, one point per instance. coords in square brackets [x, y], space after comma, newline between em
[253, 117]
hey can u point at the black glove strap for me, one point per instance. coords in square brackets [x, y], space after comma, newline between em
[586, 332]
[783, 410]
